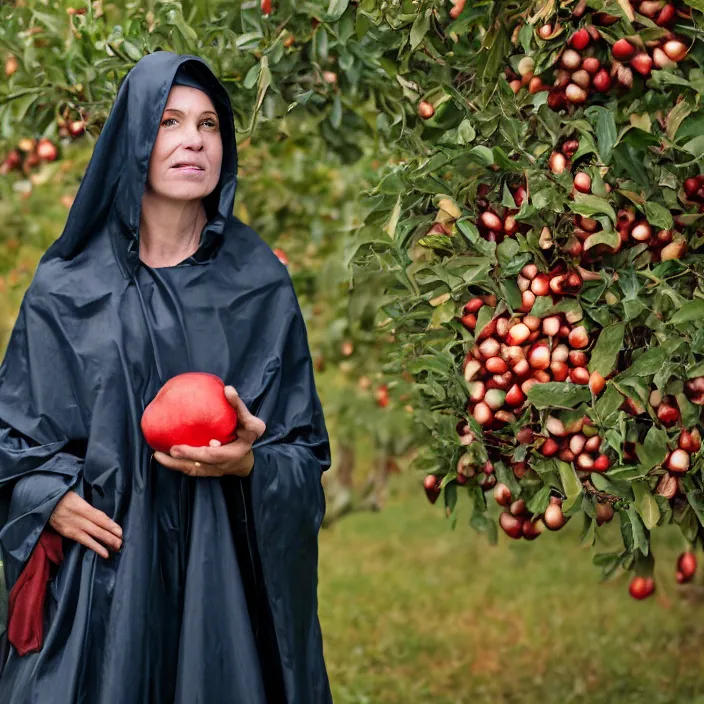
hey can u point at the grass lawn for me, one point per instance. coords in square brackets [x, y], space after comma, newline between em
[414, 612]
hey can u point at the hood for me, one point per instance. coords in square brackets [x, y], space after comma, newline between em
[112, 187]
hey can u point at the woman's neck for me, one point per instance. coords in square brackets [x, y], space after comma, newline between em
[169, 231]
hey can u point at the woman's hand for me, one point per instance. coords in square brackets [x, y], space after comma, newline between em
[235, 458]
[76, 519]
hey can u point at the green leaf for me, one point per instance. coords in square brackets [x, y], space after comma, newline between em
[568, 306]
[263, 84]
[690, 311]
[658, 216]
[483, 154]
[507, 251]
[609, 562]
[392, 222]
[541, 306]
[442, 314]
[608, 237]
[606, 133]
[676, 116]
[665, 78]
[441, 242]
[648, 363]
[250, 80]
[465, 132]
[654, 448]
[589, 205]
[646, 505]
[695, 146]
[690, 411]
[571, 484]
[506, 476]
[132, 51]
[486, 313]
[629, 472]
[686, 519]
[419, 29]
[336, 9]
[539, 501]
[555, 394]
[608, 403]
[696, 501]
[696, 4]
[607, 348]
[633, 531]
[471, 234]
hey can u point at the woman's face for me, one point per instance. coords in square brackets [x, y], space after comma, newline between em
[187, 155]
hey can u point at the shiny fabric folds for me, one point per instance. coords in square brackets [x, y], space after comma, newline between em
[213, 599]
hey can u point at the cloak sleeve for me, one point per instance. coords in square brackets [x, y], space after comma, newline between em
[41, 430]
[288, 503]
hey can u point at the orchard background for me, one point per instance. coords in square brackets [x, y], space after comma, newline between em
[492, 214]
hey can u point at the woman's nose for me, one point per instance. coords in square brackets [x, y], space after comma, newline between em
[194, 139]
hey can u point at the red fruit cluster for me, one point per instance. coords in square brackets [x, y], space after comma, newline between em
[457, 7]
[515, 353]
[694, 390]
[587, 65]
[382, 396]
[641, 587]
[686, 567]
[425, 110]
[662, 12]
[496, 223]
[517, 522]
[579, 444]
[29, 154]
[431, 484]
[466, 469]
[663, 244]
[694, 191]
[677, 462]
[665, 53]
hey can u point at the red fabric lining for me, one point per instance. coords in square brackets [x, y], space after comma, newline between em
[25, 627]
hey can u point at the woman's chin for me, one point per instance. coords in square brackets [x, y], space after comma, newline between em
[184, 192]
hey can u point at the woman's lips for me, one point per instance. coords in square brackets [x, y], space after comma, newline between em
[189, 169]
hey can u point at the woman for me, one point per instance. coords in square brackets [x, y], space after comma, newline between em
[189, 577]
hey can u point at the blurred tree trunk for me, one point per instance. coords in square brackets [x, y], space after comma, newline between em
[340, 487]
[375, 491]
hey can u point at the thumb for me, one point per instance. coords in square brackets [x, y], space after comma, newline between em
[245, 419]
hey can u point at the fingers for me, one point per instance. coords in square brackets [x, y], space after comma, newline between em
[76, 519]
[246, 420]
[85, 539]
[76, 504]
[99, 518]
[189, 466]
[100, 534]
[83, 531]
[232, 452]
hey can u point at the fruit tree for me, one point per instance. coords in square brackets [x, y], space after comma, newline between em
[536, 244]
[544, 242]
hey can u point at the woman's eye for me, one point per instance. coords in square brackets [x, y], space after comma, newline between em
[208, 123]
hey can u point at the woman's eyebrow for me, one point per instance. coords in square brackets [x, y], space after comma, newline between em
[205, 112]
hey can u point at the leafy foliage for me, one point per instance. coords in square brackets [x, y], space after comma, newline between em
[638, 300]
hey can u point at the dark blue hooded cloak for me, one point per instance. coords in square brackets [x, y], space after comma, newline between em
[213, 599]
